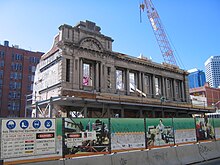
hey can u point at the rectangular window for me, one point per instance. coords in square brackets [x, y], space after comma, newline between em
[109, 85]
[1, 83]
[169, 88]
[157, 86]
[17, 57]
[147, 84]
[119, 80]
[67, 70]
[33, 68]
[87, 81]
[132, 82]
[1, 73]
[2, 63]
[2, 54]
[178, 89]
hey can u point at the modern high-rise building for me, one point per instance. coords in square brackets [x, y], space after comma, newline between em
[17, 69]
[212, 71]
[196, 78]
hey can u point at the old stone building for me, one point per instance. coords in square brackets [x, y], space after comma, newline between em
[82, 75]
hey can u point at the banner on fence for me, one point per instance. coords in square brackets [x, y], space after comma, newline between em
[204, 128]
[159, 132]
[86, 135]
[127, 134]
[216, 122]
[27, 137]
[184, 130]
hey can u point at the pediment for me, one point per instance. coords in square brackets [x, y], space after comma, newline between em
[92, 44]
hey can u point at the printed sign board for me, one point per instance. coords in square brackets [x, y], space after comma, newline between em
[204, 129]
[159, 132]
[27, 137]
[184, 130]
[127, 134]
[86, 135]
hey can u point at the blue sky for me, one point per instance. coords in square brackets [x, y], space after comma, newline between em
[192, 25]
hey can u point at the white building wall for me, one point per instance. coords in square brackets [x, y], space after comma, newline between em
[212, 71]
[48, 74]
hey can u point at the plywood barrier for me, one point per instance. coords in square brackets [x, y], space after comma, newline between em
[208, 150]
[163, 156]
[188, 154]
[131, 158]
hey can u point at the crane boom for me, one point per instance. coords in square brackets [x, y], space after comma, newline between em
[159, 32]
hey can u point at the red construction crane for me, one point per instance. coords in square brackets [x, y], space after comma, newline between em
[159, 32]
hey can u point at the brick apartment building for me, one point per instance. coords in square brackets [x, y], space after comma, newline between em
[17, 69]
[211, 95]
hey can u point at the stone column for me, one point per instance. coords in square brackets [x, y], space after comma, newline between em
[140, 81]
[113, 79]
[102, 77]
[174, 89]
[97, 77]
[153, 86]
[143, 83]
[73, 71]
[105, 77]
[163, 87]
[127, 82]
[182, 91]
[171, 89]
[80, 73]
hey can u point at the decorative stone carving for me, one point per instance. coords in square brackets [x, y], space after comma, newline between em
[91, 43]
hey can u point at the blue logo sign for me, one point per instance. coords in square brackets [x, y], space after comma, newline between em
[24, 124]
[10, 124]
[36, 124]
[48, 123]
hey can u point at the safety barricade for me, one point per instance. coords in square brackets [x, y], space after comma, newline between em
[163, 156]
[40, 161]
[131, 158]
[189, 154]
[208, 150]
[92, 160]
[218, 146]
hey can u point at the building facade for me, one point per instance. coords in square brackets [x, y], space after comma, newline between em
[196, 78]
[81, 75]
[17, 69]
[212, 70]
[206, 95]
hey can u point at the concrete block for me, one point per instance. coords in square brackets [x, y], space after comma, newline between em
[90, 160]
[208, 150]
[163, 156]
[131, 158]
[189, 154]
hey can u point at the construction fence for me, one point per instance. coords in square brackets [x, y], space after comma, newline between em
[36, 138]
